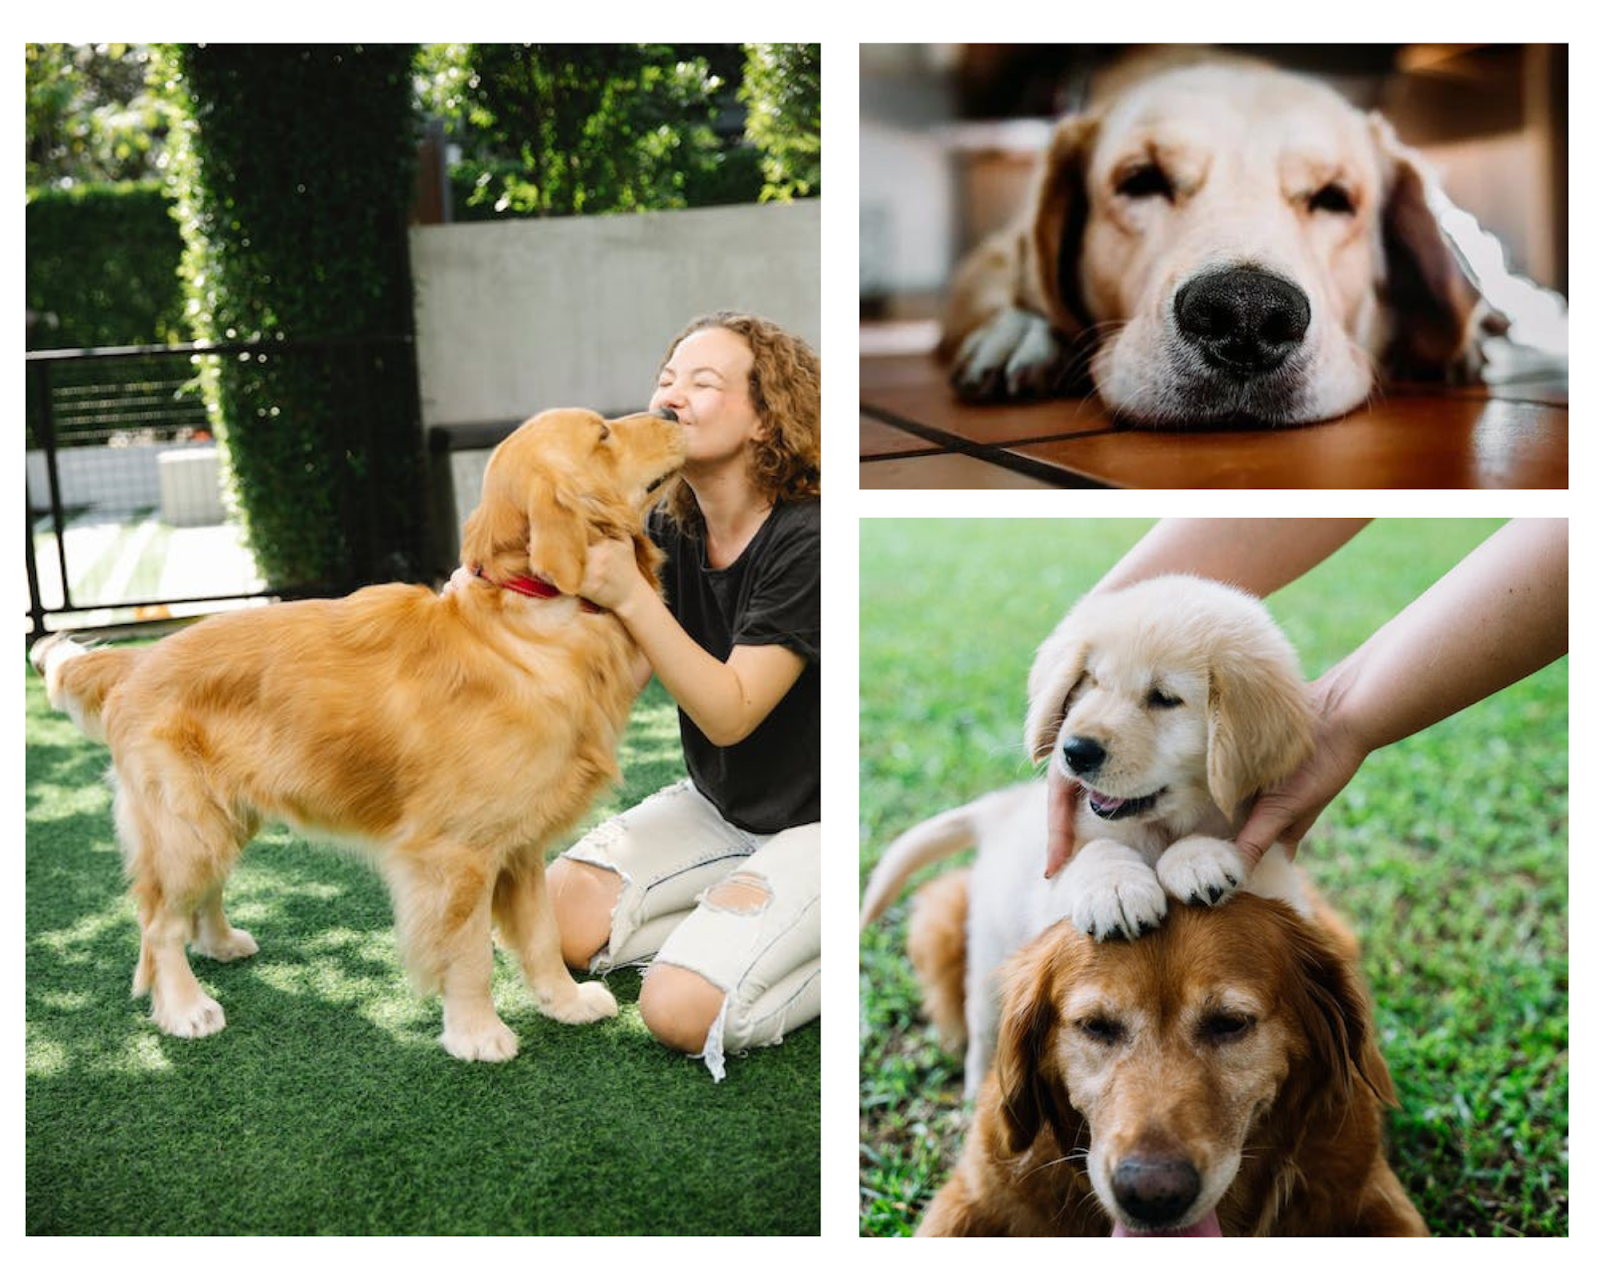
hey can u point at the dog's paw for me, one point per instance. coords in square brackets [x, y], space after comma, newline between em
[1014, 355]
[190, 1021]
[487, 1041]
[1201, 870]
[1120, 901]
[236, 944]
[585, 1002]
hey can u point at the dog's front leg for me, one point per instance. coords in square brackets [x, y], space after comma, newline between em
[1110, 891]
[527, 924]
[1201, 870]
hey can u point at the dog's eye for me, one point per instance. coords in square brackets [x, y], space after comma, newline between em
[1226, 1028]
[1332, 198]
[605, 431]
[1159, 698]
[1144, 181]
[1100, 1029]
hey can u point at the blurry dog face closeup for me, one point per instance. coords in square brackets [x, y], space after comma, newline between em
[1225, 243]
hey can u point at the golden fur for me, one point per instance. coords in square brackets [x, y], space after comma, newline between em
[1173, 173]
[1194, 698]
[1220, 1075]
[455, 735]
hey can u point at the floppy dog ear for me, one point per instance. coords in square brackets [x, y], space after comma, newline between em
[1053, 244]
[1057, 667]
[1435, 314]
[1260, 718]
[1032, 1096]
[558, 535]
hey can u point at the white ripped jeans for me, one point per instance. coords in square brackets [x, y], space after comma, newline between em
[670, 850]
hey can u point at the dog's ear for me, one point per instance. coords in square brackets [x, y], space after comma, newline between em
[1260, 715]
[1032, 1096]
[1057, 667]
[1331, 1005]
[1436, 317]
[558, 534]
[1053, 244]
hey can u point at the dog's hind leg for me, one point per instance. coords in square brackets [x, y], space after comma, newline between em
[527, 924]
[178, 853]
[214, 937]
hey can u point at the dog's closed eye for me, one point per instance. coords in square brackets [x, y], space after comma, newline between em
[1142, 181]
[1101, 1029]
[1162, 699]
[1334, 197]
[1225, 1027]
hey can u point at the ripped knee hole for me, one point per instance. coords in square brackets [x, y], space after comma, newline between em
[743, 892]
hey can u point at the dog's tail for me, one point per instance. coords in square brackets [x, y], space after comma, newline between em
[928, 841]
[78, 680]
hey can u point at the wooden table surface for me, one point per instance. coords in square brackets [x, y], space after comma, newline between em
[916, 434]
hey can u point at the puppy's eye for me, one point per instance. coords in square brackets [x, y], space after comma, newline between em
[1100, 1029]
[1159, 698]
[1143, 181]
[1225, 1027]
[1332, 198]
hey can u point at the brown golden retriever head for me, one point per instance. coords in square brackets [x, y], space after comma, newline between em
[562, 480]
[1242, 244]
[1168, 697]
[1160, 1064]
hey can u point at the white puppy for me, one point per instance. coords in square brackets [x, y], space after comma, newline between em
[1170, 704]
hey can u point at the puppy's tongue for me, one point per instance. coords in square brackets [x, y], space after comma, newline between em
[1207, 1226]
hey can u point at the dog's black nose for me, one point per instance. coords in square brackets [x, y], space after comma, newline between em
[1242, 320]
[669, 414]
[1155, 1191]
[1083, 755]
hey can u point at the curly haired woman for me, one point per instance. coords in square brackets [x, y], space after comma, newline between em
[714, 882]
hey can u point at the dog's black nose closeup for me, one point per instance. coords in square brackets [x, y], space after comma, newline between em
[1244, 321]
[1155, 1192]
[669, 414]
[1083, 755]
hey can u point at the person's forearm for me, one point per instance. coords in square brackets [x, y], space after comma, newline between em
[1256, 555]
[1499, 615]
[713, 693]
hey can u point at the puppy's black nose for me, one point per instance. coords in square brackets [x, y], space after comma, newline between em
[1082, 755]
[1155, 1191]
[669, 414]
[1242, 320]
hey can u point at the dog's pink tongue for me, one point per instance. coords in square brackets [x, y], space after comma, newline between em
[1207, 1226]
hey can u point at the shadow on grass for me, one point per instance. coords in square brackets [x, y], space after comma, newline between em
[327, 1106]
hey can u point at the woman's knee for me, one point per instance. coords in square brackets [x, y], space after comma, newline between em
[679, 1006]
[583, 897]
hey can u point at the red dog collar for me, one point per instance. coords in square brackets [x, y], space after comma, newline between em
[537, 588]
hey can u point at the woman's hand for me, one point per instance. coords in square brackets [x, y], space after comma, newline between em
[611, 576]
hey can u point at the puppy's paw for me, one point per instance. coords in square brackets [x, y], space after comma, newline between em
[1201, 870]
[1119, 901]
[191, 1019]
[487, 1040]
[1014, 355]
[585, 1002]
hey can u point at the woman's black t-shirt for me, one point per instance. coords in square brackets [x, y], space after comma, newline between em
[772, 594]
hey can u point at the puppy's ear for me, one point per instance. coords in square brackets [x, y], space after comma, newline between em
[1436, 317]
[1032, 1096]
[1053, 244]
[558, 539]
[1260, 716]
[1057, 667]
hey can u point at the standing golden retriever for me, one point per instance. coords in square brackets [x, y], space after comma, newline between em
[453, 736]
[1220, 242]
[1217, 1077]
[1170, 703]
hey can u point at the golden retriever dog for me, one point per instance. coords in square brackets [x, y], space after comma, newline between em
[451, 736]
[1169, 703]
[1217, 242]
[1220, 1076]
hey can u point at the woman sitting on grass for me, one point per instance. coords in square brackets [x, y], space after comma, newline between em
[714, 881]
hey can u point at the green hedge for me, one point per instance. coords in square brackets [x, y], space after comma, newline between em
[102, 266]
[294, 167]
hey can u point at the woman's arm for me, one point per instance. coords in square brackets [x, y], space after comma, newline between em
[726, 700]
[1258, 555]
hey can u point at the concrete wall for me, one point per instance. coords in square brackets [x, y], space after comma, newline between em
[514, 317]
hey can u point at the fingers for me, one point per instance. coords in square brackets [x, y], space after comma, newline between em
[1062, 810]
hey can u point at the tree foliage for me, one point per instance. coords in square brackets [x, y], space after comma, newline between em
[783, 91]
[90, 116]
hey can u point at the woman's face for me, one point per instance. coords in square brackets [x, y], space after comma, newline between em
[706, 382]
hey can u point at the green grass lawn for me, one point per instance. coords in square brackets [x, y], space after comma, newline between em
[1447, 852]
[327, 1105]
